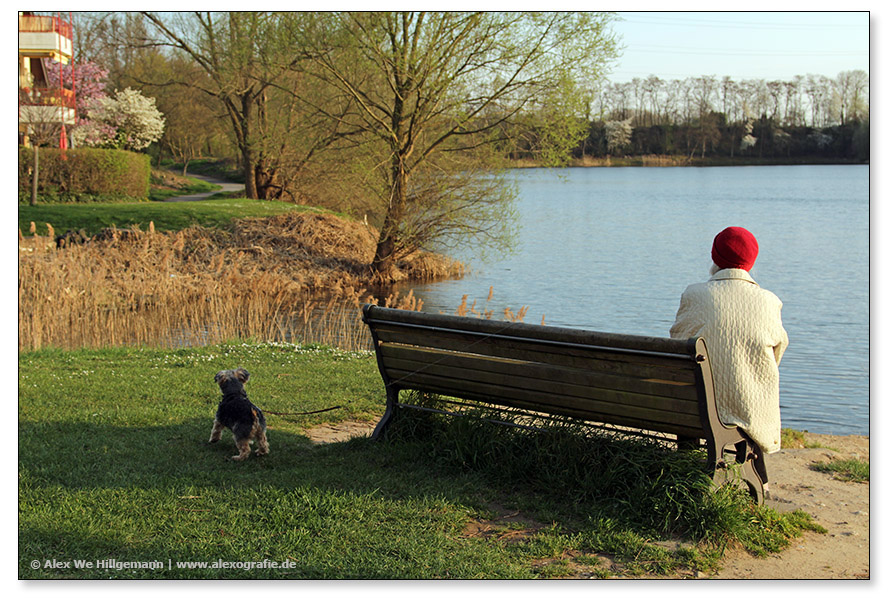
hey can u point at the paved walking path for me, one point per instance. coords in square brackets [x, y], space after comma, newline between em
[227, 186]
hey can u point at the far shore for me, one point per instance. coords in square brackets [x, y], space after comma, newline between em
[658, 160]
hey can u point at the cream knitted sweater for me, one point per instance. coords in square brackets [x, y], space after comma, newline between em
[741, 325]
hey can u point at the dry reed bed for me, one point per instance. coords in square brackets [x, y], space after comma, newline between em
[298, 276]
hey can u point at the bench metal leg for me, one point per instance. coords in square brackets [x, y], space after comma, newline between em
[747, 451]
[391, 407]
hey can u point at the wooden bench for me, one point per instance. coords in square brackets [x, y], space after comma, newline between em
[658, 387]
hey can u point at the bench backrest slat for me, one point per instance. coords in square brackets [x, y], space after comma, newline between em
[556, 402]
[596, 374]
[537, 333]
[615, 360]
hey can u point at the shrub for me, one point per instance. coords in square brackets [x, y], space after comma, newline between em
[85, 175]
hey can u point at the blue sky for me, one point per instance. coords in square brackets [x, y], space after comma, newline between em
[742, 45]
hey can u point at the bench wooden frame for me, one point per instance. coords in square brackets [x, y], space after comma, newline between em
[659, 386]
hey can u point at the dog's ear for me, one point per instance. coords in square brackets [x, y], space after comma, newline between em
[219, 376]
[242, 374]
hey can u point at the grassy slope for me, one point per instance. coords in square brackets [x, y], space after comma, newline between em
[113, 463]
[167, 216]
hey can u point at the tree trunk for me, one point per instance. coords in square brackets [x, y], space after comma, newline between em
[241, 117]
[384, 259]
[249, 174]
[268, 186]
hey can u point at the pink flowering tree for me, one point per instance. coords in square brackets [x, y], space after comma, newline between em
[87, 78]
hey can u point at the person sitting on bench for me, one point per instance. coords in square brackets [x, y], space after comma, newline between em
[741, 324]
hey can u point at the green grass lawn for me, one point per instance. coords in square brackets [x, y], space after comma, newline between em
[167, 216]
[114, 464]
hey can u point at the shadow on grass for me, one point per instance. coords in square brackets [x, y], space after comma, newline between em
[88, 456]
[342, 510]
[356, 509]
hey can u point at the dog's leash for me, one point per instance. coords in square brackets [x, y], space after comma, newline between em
[311, 412]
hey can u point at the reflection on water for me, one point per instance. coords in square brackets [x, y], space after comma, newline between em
[612, 250]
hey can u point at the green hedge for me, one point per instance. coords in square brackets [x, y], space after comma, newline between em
[85, 175]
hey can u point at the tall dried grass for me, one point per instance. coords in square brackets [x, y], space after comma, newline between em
[464, 310]
[293, 277]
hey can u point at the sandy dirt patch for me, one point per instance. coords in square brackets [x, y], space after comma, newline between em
[339, 432]
[841, 507]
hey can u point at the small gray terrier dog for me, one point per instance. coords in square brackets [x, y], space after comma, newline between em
[237, 413]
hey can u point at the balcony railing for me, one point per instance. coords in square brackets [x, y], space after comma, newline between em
[34, 24]
[47, 97]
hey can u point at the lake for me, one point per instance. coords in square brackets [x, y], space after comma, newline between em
[612, 249]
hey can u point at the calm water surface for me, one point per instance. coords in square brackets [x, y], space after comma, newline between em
[613, 249]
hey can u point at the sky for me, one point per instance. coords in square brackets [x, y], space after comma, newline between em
[742, 45]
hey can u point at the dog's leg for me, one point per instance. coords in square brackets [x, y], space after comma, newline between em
[258, 433]
[262, 448]
[243, 447]
[217, 431]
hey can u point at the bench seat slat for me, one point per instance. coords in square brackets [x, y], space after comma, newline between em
[659, 367]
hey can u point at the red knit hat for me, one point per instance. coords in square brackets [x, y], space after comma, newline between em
[735, 248]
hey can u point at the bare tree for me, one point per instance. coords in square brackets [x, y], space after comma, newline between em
[775, 93]
[191, 118]
[818, 89]
[653, 86]
[249, 63]
[432, 93]
[852, 88]
[792, 112]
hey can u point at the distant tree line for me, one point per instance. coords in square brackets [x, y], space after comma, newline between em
[705, 116]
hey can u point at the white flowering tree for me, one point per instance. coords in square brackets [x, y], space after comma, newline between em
[619, 135]
[748, 140]
[128, 120]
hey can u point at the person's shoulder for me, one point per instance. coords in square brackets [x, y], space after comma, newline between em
[771, 296]
[696, 288]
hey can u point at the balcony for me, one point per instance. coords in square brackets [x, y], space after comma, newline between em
[47, 105]
[46, 36]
